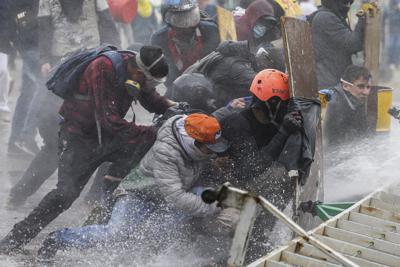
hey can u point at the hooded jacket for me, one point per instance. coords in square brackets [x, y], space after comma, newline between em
[245, 23]
[173, 171]
[334, 44]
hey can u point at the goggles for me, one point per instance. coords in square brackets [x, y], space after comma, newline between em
[359, 86]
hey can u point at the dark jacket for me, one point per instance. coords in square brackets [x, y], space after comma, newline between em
[230, 68]
[27, 26]
[245, 23]
[334, 44]
[210, 37]
[7, 25]
[345, 119]
[253, 146]
[110, 104]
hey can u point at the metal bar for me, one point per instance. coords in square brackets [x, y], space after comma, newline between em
[301, 232]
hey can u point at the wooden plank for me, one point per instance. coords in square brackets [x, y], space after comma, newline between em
[362, 240]
[374, 222]
[274, 264]
[372, 44]
[388, 198]
[310, 251]
[377, 203]
[299, 52]
[374, 232]
[379, 213]
[361, 252]
[300, 260]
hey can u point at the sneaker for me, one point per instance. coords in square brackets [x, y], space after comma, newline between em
[50, 247]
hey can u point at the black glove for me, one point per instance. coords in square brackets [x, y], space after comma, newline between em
[292, 122]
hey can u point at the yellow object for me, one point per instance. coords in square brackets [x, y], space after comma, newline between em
[370, 8]
[383, 119]
[226, 25]
[145, 8]
[291, 7]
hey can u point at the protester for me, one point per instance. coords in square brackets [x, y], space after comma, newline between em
[232, 67]
[333, 40]
[346, 117]
[258, 25]
[186, 38]
[68, 33]
[26, 41]
[94, 131]
[158, 192]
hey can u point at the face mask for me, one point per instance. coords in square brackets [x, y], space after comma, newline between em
[259, 31]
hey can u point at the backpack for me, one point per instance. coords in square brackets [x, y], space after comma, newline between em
[65, 78]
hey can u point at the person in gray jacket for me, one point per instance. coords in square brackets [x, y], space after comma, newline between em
[333, 40]
[160, 192]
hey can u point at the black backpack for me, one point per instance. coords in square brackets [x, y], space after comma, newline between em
[65, 78]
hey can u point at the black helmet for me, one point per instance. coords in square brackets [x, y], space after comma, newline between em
[181, 13]
[195, 89]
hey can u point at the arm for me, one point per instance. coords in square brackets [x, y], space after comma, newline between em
[7, 27]
[101, 79]
[154, 102]
[340, 34]
[166, 173]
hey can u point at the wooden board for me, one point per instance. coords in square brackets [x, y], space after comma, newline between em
[372, 44]
[226, 25]
[300, 63]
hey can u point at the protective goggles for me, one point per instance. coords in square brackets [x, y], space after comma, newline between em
[359, 86]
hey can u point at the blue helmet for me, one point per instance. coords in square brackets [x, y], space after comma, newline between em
[181, 13]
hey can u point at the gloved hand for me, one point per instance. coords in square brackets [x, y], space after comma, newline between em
[292, 122]
[227, 220]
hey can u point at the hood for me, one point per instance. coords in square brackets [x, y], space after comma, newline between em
[187, 142]
[245, 23]
[335, 7]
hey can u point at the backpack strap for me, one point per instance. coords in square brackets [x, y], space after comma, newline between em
[117, 61]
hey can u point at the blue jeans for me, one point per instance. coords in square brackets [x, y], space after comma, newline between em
[130, 218]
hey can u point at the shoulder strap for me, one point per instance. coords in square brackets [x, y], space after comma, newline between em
[118, 65]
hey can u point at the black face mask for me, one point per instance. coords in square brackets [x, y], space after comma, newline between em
[72, 9]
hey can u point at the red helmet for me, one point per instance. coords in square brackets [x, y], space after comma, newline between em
[269, 83]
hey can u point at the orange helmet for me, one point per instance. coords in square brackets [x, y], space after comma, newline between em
[269, 83]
